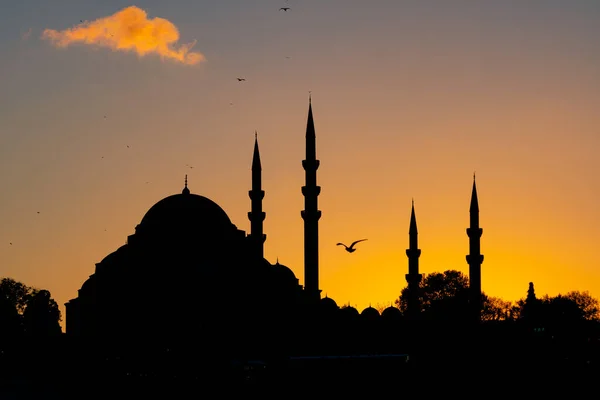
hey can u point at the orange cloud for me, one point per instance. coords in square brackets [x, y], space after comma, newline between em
[129, 30]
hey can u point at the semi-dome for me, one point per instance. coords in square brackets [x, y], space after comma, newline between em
[285, 273]
[186, 209]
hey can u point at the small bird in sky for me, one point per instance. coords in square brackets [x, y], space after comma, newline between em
[351, 249]
[38, 212]
[284, 9]
[127, 146]
[10, 243]
[241, 79]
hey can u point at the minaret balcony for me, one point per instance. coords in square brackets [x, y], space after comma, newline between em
[310, 165]
[475, 259]
[413, 253]
[311, 215]
[256, 194]
[413, 278]
[474, 232]
[311, 190]
[253, 215]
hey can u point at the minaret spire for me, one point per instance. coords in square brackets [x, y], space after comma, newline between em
[413, 278]
[311, 213]
[256, 216]
[185, 188]
[475, 258]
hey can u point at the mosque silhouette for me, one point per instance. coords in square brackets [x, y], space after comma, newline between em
[189, 279]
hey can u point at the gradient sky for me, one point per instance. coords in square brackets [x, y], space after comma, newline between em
[409, 99]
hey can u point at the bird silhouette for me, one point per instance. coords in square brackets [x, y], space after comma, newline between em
[284, 8]
[351, 249]
[241, 79]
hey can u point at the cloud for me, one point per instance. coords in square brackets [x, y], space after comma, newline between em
[129, 30]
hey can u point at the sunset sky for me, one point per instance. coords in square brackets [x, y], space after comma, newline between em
[410, 98]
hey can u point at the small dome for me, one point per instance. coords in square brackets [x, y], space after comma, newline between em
[349, 312]
[284, 273]
[328, 303]
[370, 312]
[391, 313]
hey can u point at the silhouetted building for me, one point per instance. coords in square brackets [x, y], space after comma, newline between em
[475, 258]
[188, 272]
[413, 278]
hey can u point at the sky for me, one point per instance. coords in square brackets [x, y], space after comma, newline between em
[104, 106]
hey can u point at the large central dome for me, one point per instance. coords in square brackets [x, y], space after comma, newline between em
[186, 210]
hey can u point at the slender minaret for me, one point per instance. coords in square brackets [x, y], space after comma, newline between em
[475, 258]
[413, 278]
[256, 216]
[311, 213]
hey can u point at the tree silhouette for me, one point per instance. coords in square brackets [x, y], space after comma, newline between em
[26, 309]
[496, 309]
[560, 310]
[42, 316]
[588, 304]
[10, 320]
[16, 293]
[442, 295]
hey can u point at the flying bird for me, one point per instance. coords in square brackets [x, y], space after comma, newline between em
[284, 8]
[351, 249]
[241, 79]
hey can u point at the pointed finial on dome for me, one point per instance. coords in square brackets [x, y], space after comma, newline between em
[473, 175]
[185, 189]
[309, 97]
[277, 261]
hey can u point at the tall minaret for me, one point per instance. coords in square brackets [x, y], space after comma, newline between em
[256, 216]
[413, 278]
[475, 258]
[311, 213]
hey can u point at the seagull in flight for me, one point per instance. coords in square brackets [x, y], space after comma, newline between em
[351, 249]
[241, 79]
[284, 8]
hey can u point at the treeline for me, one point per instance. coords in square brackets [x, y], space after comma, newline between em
[27, 311]
[444, 297]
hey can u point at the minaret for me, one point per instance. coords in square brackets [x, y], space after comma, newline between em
[413, 278]
[311, 213]
[256, 216]
[475, 258]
